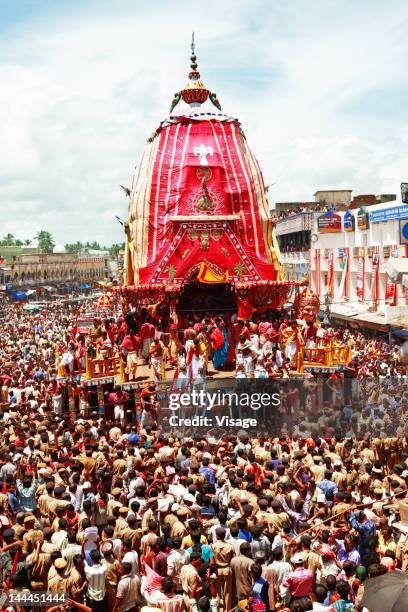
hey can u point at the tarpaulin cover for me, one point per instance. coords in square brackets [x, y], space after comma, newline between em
[400, 333]
[19, 296]
[198, 196]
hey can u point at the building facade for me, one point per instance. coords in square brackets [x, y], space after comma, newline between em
[25, 268]
[342, 246]
[348, 261]
[293, 234]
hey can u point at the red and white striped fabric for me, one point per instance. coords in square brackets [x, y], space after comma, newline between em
[203, 170]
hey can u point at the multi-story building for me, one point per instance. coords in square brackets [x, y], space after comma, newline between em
[26, 268]
[343, 246]
[294, 224]
[350, 258]
[293, 234]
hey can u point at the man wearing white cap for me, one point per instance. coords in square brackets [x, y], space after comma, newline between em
[322, 510]
[368, 510]
[339, 476]
[300, 581]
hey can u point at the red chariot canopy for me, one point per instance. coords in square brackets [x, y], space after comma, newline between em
[198, 201]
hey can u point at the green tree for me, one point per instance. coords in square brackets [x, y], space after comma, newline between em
[46, 241]
[8, 240]
[27, 242]
[74, 247]
[114, 252]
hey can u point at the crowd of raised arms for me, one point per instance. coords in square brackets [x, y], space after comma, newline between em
[119, 516]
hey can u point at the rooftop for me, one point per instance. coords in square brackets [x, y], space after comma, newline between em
[332, 191]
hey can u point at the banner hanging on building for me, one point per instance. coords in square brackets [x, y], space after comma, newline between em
[391, 289]
[343, 265]
[390, 293]
[403, 227]
[374, 277]
[360, 279]
[330, 273]
[317, 265]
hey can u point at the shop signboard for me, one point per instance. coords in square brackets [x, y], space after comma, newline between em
[389, 214]
[329, 223]
[349, 222]
[362, 220]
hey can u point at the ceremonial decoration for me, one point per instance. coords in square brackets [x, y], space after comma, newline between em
[206, 275]
[307, 304]
[375, 280]
[360, 278]
[330, 274]
[198, 203]
[390, 292]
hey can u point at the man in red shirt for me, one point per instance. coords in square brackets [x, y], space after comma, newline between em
[119, 399]
[147, 333]
[240, 329]
[55, 391]
[254, 468]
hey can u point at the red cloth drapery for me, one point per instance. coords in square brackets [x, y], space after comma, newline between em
[244, 308]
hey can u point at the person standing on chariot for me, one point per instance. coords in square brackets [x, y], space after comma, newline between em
[157, 353]
[291, 341]
[197, 358]
[174, 344]
[129, 351]
[147, 333]
[220, 344]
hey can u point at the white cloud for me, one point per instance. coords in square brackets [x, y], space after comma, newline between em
[83, 89]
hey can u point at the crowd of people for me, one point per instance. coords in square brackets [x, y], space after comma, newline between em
[263, 346]
[301, 208]
[119, 516]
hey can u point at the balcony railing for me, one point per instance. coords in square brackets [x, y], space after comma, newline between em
[332, 356]
[96, 368]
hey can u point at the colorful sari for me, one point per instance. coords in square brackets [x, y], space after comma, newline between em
[219, 338]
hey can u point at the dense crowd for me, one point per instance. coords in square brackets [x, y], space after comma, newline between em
[122, 517]
[263, 345]
[301, 208]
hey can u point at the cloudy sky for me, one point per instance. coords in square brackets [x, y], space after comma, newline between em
[321, 89]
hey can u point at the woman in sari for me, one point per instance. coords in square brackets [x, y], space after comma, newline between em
[220, 344]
